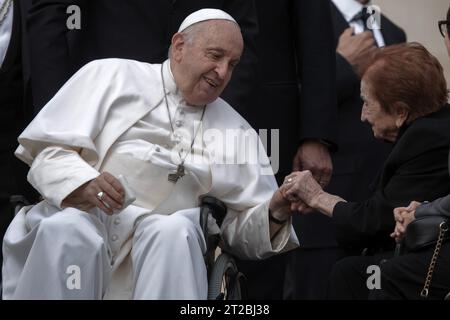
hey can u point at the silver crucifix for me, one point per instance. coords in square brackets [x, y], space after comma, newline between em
[175, 176]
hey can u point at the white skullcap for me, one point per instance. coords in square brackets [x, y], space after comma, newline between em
[204, 15]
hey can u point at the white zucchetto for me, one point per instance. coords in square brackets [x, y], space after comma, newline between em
[204, 15]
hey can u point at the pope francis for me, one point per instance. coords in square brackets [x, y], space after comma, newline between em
[164, 128]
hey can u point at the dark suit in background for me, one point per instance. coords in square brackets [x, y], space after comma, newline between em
[132, 29]
[15, 108]
[355, 166]
[294, 93]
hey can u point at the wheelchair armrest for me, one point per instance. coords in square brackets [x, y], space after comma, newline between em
[18, 201]
[213, 206]
[218, 209]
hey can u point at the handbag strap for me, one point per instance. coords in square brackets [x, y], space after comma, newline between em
[443, 228]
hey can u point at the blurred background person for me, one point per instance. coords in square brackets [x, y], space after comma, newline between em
[295, 93]
[359, 157]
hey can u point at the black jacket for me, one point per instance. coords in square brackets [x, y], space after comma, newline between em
[15, 109]
[416, 169]
[12, 84]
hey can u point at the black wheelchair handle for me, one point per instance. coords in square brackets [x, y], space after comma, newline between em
[210, 205]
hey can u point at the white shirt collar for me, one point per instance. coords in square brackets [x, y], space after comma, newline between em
[169, 80]
[348, 8]
[172, 89]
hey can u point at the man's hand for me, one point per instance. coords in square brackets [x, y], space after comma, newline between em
[86, 196]
[301, 207]
[279, 206]
[403, 217]
[358, 49]
[315, 157]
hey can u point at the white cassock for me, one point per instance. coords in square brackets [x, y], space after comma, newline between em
[111, 116]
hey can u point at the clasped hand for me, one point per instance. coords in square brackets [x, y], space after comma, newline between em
[403, 217]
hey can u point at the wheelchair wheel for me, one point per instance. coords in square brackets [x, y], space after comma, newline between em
[225, 280]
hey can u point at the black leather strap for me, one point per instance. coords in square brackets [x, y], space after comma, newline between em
[277, 221]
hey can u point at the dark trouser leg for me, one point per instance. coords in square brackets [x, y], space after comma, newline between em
[308, 270]
[8, 186]
[6, 215]
[348, 279]
[404, 277]
[265, 278]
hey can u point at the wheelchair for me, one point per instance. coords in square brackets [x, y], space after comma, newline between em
[225, 282]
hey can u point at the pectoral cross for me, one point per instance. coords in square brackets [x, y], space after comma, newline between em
[175, 176]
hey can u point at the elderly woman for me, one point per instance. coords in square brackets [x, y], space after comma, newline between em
[405, 215]
[405, 95]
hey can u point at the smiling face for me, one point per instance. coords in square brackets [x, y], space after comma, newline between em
[384, 125]
[203, 59]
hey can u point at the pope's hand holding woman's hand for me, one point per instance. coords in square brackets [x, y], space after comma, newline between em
[303, 191]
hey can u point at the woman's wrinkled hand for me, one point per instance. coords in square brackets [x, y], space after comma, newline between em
[301, 189]
[403, 217]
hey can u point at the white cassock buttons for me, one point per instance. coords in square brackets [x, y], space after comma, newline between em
[116, 221]
[114, 237]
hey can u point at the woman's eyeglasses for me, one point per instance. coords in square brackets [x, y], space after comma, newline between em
[443, 27]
